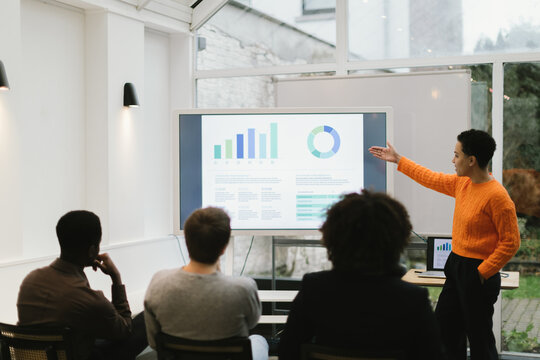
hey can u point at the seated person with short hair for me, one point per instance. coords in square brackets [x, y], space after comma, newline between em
[197, 301]
[60, 295]
[362, 303]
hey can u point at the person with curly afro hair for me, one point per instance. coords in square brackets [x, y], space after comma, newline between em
[362, 303]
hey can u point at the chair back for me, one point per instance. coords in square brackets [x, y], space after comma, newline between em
[34, 343]
[318, 352]
[175, 348]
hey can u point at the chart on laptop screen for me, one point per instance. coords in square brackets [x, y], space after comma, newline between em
[441, 250]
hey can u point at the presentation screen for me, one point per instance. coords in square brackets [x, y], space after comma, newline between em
[277, 169]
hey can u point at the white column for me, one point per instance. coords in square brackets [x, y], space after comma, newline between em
[182, 85]
[115, 55]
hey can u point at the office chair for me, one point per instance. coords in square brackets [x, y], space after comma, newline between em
[34, 343]
[318, 352]
[175, 348]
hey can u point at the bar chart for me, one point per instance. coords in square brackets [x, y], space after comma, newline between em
[445, 247]
[246, 146]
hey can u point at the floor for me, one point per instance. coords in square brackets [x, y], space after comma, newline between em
[519, 313]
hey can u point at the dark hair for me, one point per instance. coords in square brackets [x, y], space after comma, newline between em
[207, 232]
[77, 231]
[366, 231]
[479, 144]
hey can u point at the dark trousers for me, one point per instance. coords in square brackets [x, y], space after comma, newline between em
[465, 310]
[126, 349]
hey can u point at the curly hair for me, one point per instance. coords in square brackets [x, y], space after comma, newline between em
[366, 231]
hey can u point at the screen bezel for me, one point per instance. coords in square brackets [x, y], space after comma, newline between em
[328, 110]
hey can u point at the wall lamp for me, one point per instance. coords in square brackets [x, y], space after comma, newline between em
[130, 96]
[4, 84]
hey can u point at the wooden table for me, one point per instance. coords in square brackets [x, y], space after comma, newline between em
[509, 279]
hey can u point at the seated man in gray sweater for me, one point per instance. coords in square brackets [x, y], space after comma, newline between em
[197, 301]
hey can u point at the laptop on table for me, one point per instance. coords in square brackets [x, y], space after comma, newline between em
[438, 249]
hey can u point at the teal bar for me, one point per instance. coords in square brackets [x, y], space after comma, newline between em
[262, 146]
[273, 141]
[311, 205]
[217, 151]
[313, 196]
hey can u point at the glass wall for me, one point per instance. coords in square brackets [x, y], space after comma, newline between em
[521, 177]
[396, 29]
[240, 92]
[266, 34]
[402, 36]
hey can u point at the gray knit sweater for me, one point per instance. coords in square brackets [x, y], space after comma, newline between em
[200, 307]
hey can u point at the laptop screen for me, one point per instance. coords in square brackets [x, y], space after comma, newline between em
[439, 247]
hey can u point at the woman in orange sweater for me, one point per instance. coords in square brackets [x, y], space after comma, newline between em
[485, 236]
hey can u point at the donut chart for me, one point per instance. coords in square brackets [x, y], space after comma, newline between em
[311, 142]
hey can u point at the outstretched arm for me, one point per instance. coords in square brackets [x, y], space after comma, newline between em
[440, 182]
[385, 153]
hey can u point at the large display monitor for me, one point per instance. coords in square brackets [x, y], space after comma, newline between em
[276, 171]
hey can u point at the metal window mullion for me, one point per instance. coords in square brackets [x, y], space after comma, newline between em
[497, 118]
[367, 65]
[342, 37]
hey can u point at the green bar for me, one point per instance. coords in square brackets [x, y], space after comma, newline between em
[217, 151]
[273, 140]
[228, 149]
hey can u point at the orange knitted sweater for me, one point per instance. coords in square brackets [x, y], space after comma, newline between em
[485, 222]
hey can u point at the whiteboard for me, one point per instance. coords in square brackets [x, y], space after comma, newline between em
[430, 110]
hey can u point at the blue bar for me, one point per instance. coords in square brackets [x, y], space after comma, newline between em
[262, 146]
[239, 146]
[251, 143]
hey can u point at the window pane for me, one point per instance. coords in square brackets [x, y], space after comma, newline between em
[291, 261]
[267, 34]
[424, 28]
[240, 92]
[318, 6]
[521, 177]
[481, 92]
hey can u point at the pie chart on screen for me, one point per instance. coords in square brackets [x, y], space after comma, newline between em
[321, 131]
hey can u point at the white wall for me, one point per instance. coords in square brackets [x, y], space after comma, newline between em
[10, 146]
[52, 121]
[66, 142]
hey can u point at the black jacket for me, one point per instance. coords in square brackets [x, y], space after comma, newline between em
[360, 311]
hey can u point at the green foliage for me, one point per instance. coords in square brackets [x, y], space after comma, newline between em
[529, 288]
[529, 250]
[519, 341]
